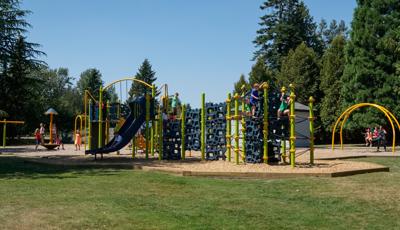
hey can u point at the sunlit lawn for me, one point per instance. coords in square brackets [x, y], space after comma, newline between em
[34, 196]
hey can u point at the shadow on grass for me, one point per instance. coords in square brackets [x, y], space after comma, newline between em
[12, 167]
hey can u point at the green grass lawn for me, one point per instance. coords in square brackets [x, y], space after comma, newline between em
[50, 197]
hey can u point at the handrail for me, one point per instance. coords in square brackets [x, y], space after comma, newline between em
[128, 79]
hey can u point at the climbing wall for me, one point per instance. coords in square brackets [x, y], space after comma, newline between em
[192, 129]
[278, 131]
[172, 140]
[215, 131]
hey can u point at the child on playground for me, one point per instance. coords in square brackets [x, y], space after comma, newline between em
[368, 137]
[42, 130]
[382, 138]
[254, 98]
[37, 139]
[283, 108]
[59, 142]
[77, 140]
[175, 102]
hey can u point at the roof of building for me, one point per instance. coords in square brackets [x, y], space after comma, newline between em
[301, 107]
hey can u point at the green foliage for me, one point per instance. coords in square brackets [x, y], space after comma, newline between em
[327, 34]
[372, 61]
[260, 73]
[242, 82]
[331, 72]
[301, 68]
[146, 74]
[90, 80]
[285, 26]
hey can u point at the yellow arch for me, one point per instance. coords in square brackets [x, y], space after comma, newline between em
[345, 115]
[128, 79]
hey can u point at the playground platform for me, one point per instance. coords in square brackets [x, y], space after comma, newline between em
[327, 163]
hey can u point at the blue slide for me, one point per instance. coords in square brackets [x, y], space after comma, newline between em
[127, 131]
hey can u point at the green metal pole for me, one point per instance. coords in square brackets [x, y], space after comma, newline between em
[90, 125]
[311, 118]
[100, 143]
[203, 126]
[236, 97]
[292, 128]
[153, 95]
[228, 126]
[183, 124]
[147, 133]
[4, 133]
[160, 135]
[108, 117]
[243, 122]
[265, 124]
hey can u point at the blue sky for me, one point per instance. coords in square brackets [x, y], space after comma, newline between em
[194, 46]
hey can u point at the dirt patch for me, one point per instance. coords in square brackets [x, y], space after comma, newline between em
[193, 166]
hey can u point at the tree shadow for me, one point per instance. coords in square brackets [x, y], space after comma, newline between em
[12, 167]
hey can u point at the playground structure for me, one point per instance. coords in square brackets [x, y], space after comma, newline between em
[5, 122]
[346, 114]
[208, 129]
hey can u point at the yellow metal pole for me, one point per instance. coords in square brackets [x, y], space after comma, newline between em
[51, 128]
[4, 133]
[183, 123]
[90, 125]
[243, 123]
[236, 97]
[147, 133]
[228, 127]
[100, 144]
[203, 126]
[85, 122]
[292, 129]
[153, 95]
[265, 124]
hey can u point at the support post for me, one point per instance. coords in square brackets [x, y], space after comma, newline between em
[51, 128]
[100, 142]
[108, 122]
[183, 127]
[311, 118]
[90, 124]
[228, 127]
[243, 122]
[153, 95]
[85, 132]
[147, 129]
[4, 133]
[292, 128]
[265, 124]
[236, 97]
[203, 126]
[160, 135]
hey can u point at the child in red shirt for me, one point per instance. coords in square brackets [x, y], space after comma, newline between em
[38, 138]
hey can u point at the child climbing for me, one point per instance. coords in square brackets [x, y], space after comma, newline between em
[175, 102]
[254, 98]
[283, 108]
[77, 140]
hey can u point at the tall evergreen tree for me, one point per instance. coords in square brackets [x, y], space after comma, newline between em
[285, 26]
[260, 73]
[373, 60]
[242, 82]
[331, 72]
[301, 68]
[90, 80]
[146, 74]
[327, 34]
